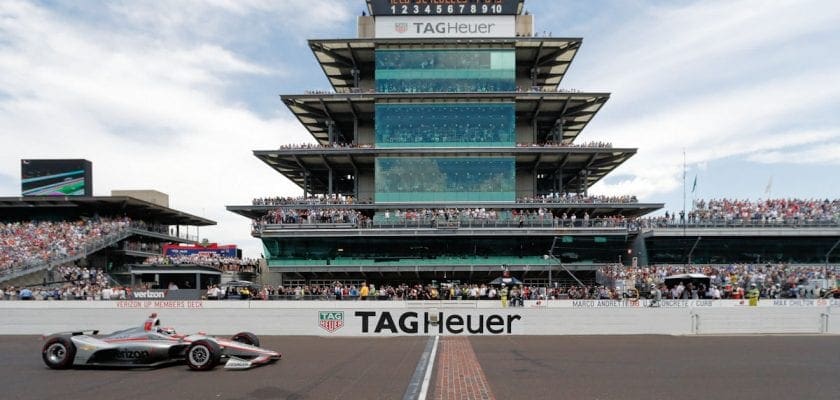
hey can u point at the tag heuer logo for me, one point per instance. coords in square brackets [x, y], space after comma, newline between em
[331, 321]
[400, 27]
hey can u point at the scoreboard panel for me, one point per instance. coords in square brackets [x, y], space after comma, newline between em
[444, 7]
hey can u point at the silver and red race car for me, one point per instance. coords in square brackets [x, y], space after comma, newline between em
[151, 345]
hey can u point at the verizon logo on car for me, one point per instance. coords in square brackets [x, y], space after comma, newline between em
[131, 354]
[149, 294]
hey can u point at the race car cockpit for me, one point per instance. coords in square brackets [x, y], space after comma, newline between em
[153, 325]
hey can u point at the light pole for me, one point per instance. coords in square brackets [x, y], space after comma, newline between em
[548, 264]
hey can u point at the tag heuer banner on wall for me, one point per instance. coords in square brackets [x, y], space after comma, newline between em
[446, 27]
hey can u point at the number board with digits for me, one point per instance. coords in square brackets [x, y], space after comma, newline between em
[444, 7]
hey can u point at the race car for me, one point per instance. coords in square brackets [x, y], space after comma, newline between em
[151, 345]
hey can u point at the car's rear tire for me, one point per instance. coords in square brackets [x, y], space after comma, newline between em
[58, 353]
[203, 355]
[247, 338]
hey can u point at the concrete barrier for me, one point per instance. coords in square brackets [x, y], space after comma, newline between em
[390, 318]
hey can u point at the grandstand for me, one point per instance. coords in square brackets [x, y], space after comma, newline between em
[44, 236]
[452, 159]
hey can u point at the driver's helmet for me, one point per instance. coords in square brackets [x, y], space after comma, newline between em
[166, 330]
[151, 323]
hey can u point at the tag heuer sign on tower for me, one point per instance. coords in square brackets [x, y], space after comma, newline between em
[445, 26]
[331, 321]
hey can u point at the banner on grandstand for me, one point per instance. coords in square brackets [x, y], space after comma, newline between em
[445, 27]
[166, 294]
[213, 249]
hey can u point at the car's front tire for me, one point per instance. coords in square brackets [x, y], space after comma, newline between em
[203, 355]
[58, 353]
[247, 338]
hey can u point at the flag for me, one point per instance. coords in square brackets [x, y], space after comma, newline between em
[769, 185]
[694, 185]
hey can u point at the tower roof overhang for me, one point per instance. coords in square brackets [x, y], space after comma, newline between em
[343, 59]
[345, 110]
[574, 165]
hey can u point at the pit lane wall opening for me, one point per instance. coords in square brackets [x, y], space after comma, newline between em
[356, 318]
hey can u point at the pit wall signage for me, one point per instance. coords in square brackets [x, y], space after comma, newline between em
[165, 294]
[446, 27]
[664, 303]
[397, 322]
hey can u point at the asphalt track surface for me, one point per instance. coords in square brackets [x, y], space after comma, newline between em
[516, 367]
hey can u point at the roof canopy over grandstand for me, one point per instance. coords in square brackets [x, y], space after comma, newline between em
[346, 61]
[21, 208]
[541, 109]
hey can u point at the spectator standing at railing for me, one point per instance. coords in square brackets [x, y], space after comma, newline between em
[363, 293]
[656, 296]
[753, 295]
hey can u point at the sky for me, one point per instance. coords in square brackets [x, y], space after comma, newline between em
[741, 95]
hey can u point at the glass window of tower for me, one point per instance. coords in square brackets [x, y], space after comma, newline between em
[409, 71]
[413, 179]
[445, 125]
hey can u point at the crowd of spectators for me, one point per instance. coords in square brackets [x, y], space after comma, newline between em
[615, 282]
[215, 260]
[730, 281]
[24, 244]
[515, 294]
[779, 212]
[519, 89]
[572, 198]
[301, 200]
[318, 146]
[435, 217]
[144, 247]
[763, 212]
[592, 144]
[71, 282]
[565, 198]
[292, 215]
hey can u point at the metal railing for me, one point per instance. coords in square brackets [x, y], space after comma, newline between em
[740, 223]
[461, 223]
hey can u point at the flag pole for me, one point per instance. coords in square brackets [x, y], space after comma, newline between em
[683, 213]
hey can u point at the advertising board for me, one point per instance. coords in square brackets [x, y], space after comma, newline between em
[401, 27]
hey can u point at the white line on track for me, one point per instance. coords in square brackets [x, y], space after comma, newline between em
[429, 367]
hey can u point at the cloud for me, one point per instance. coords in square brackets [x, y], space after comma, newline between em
[146, 103]
[719, 79]
[821, 154]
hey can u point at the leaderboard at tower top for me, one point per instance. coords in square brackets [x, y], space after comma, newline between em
[445, 150]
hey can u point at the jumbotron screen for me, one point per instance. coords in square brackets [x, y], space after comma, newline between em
[56, 178]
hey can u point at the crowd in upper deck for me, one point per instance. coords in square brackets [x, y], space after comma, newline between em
[769, 211]
[29, 243]
[766, 212]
